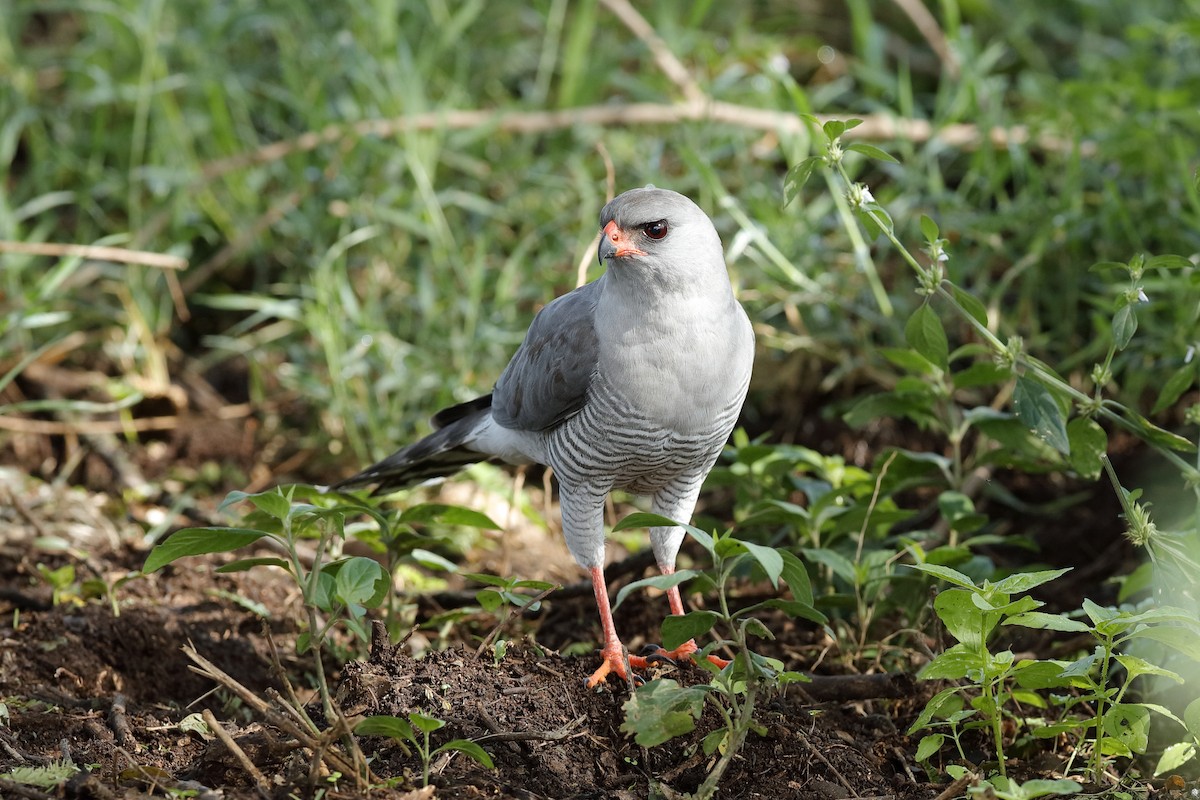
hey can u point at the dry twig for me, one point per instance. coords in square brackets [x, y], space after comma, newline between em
[260, 781]
[95, 252]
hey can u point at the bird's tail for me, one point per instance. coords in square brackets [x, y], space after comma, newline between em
[440, 454]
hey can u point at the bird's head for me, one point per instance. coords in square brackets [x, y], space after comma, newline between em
[660, 233]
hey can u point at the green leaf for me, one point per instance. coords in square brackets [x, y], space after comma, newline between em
[768, 558]
[199, 541]
[641, 519]
[431, 560]
[356, 580]
[1175, 386]
[871, 151]
[662, 582]
[1129, 724]
[389, 726]
[469, 748]
[447, 515]
[972, 305]
[929, 746]
[963, 619]
[796, 577]
[662, 709]
[1050, 622]
[925, 334]
[1089, 443]
[1168, 262]
[489, 600]
[715, 741]
[797, 176]
[245, 564]
[929, 228]
[1174, 757]
[1039, 411]
[1181, 639]
[1137, 667]
[425, 723]
[952, 664]
[947, 574]
[833, 129]
[272, 502]
[677, 629]
[793, 608]
[1124, 325]
[1024, 581]
[1191, 718]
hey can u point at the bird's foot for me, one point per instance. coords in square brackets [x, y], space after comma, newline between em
[684, 651]
[614, 664]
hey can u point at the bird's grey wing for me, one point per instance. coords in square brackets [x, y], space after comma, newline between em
[547, 380]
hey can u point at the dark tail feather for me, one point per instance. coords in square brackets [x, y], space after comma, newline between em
[438, 455]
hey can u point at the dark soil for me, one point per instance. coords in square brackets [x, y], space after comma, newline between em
[110, 692]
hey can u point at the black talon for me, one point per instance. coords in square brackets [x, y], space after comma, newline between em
[650, 649]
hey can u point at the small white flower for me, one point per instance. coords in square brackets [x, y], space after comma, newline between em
[1142, 297]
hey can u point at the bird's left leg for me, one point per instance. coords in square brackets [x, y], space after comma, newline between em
[677, 501]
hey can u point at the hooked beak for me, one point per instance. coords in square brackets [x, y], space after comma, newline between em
[616, 243]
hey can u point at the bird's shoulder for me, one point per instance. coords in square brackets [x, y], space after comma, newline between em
[547, 380]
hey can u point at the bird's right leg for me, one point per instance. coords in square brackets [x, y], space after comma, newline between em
[582, 510]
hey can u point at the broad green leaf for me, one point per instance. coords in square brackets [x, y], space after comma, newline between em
[469, 748]
[663, 582]
[661, 710]
[871, 151]
[1156, 435]
[833, 129]
[925, 334]
[1174, 757]
[929, 746]
[1124, 325]
[841, 566]
[489, 600]
[678, 629]
[1175, 386]
[1040, 412]
[941, 706]
[1129, 724]
[1089, 443]
[447, 515]
[953, 664]
[199, 541]
[1181, 639]
[384, 725]
[1041, 674]
[272, 502]
[963, 619]
[356, 580]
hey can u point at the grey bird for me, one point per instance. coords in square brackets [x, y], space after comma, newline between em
[633, 381]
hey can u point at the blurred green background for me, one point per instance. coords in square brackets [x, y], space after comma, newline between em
[349, 284]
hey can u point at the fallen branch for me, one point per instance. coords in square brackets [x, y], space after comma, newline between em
[96, 253]
[874, 127]
[260, 781]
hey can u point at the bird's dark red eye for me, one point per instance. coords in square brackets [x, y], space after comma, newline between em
[655, 230]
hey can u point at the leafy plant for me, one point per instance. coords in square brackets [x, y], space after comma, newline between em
[662, 709]
[416, 731]
[971, 613]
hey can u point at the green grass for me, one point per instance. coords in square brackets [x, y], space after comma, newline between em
[376, 278]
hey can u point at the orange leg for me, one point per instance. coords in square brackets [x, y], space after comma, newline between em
[612, 652]
[688, 648]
